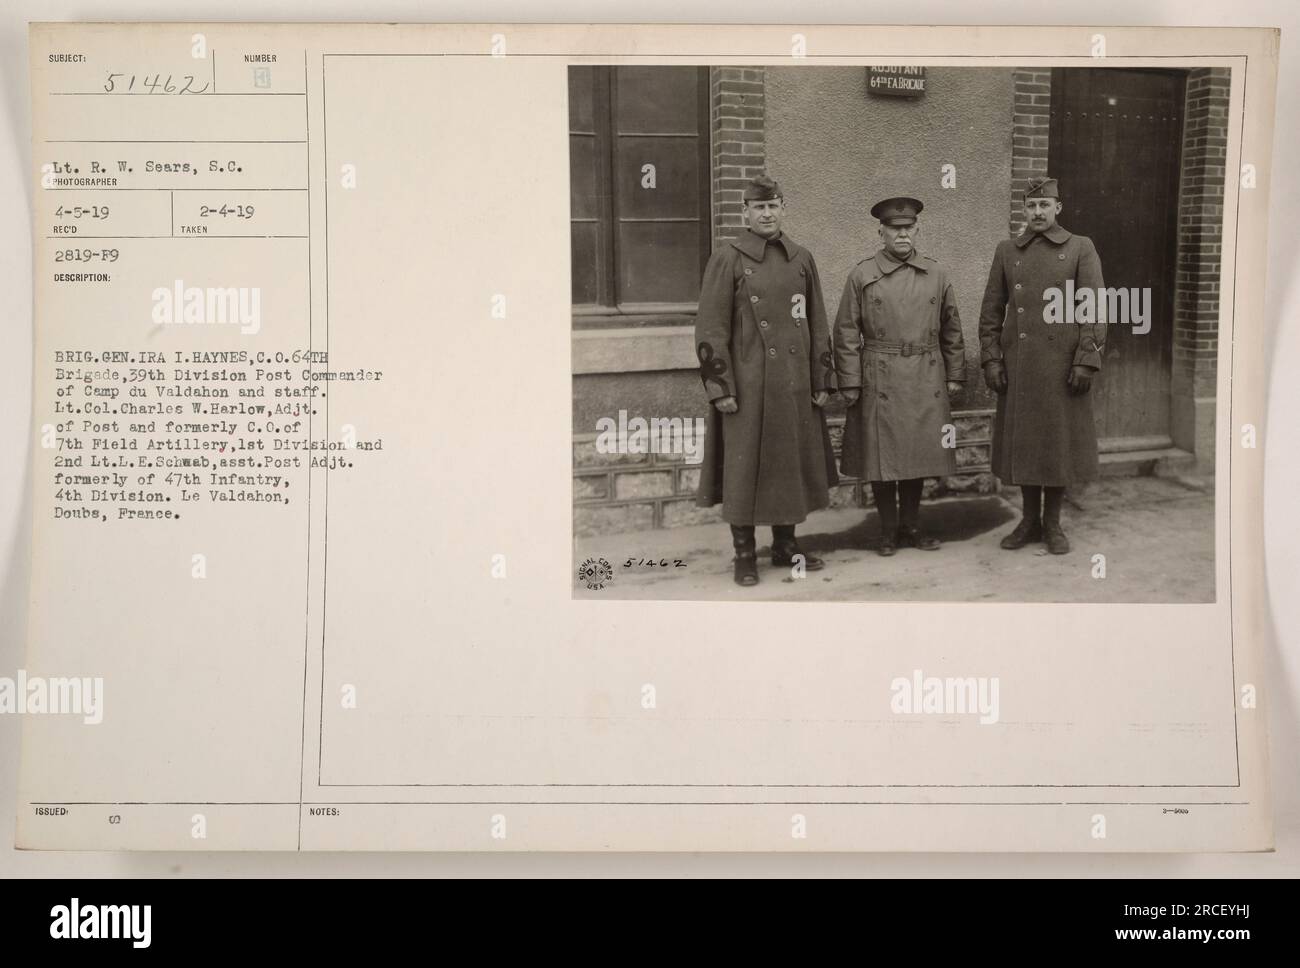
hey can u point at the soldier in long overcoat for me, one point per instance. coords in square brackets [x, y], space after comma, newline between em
[1041, 366]
[899, 352]
[764, 352]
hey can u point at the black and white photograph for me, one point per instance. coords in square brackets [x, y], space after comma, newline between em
[896, 333]
[407, 412]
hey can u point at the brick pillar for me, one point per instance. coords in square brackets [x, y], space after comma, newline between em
[1030, 126]
[738, 115]
[1200, 228]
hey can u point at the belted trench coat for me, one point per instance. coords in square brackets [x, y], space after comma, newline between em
[898, 338]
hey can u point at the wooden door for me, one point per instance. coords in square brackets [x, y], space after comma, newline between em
[1115, 146]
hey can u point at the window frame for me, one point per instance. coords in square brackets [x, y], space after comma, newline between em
[609, 310]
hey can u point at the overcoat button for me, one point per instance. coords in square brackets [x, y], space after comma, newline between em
[883, 397]
[1022, 336]
[772, 351]
[791, 349]
[1018, 286]
[763, 323]
[933, 299]
[1061, 256]
[936, 393]
[753, 299]
[802, 271]
[1021, 309]
[749, 272]
[1017, 262]
[1051, 336]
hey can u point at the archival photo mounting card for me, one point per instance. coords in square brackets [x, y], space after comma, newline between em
[782, 438]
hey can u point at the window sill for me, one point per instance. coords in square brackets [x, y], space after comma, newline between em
[634, 349]
[634, 315]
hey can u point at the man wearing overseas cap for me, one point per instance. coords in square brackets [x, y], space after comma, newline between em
[1044, 438]
[899, 353]
[765, 361]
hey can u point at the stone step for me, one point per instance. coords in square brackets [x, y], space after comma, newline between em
[1162, 462]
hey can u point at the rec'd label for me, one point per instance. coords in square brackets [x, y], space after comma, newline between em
[896, 81]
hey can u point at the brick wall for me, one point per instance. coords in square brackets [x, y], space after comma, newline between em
[1030, 128]
[1200, 225]
[615, 493]
[739, 114]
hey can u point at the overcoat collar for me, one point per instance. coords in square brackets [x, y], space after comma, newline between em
[1055, 234]
[753, 245]
[887, 265]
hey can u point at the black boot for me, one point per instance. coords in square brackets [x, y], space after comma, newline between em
[784, 548]
[886, 496]
[742, 539]
[1055, 539]
[909, 531]
[1030, 527]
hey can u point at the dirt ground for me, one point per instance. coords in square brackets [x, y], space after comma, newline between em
[1157, 535]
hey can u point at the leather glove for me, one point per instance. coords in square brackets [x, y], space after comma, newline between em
[726, 404]
[995, 376]
[850, 396]
[1079, 380]
[820, 398]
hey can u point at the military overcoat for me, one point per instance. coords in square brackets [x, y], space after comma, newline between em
[1042, 434]
[761, 337]
[898, 339]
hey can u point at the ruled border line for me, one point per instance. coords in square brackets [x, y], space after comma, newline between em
[1200, 60]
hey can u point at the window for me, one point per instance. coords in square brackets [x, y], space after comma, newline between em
[639, 192]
